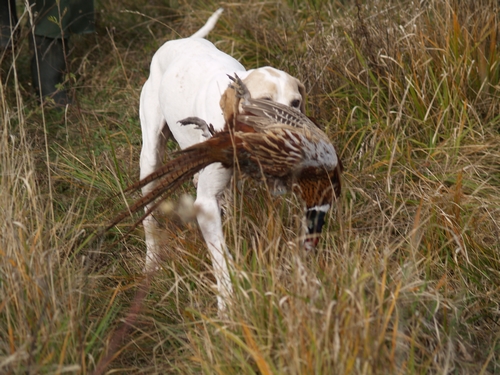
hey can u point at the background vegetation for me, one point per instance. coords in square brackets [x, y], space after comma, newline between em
[406, 279]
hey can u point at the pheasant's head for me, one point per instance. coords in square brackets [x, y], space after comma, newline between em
[319, 196]
[315, 219]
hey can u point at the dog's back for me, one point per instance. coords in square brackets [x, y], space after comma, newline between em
[187, 78]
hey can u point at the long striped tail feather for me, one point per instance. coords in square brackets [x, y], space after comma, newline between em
[169, 177]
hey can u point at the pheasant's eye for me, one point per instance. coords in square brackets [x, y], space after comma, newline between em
[295, 103]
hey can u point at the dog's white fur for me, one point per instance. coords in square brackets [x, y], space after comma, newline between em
[188, 77]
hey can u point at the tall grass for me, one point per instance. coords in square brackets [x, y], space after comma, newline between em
[406, 276]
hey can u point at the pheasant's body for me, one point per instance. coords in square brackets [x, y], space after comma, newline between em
[268, 140]
[286, 156]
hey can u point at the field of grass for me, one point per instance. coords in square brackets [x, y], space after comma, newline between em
[406, 279]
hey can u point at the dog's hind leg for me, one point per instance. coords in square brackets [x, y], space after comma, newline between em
[155, 133]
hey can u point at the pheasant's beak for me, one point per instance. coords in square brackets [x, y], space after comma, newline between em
[315, 217]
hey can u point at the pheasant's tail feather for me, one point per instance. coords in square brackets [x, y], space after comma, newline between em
[165, 185]
[168, 177]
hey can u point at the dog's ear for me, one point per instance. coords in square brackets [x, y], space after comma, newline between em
[302, 91]
[229, 104]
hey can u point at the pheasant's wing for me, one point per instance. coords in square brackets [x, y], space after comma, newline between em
[283, 150]
[270, 152]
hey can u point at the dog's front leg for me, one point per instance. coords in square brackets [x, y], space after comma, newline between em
[212, 182]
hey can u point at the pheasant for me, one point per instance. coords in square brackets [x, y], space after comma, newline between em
[263, 140]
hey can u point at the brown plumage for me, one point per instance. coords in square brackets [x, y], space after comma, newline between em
[266, 140]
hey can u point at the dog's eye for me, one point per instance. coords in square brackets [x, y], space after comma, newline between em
[295, 103]
[267, 98]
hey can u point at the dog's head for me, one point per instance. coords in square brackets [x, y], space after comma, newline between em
[265, 83]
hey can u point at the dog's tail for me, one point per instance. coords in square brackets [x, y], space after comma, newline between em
[171, 175]
[209, 25]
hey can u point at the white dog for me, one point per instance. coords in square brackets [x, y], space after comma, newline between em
[189, 77]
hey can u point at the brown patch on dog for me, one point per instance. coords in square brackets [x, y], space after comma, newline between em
[256, 82]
